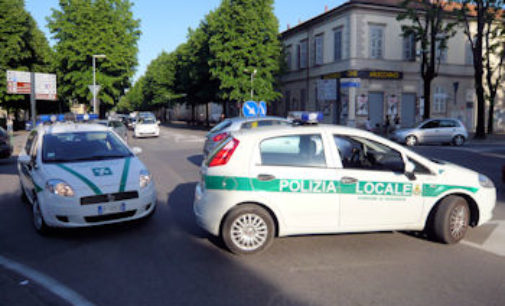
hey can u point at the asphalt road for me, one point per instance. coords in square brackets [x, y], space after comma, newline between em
[168, 260]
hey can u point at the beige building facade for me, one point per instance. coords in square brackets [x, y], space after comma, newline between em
[360, 44]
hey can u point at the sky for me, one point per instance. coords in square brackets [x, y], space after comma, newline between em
[165, 23]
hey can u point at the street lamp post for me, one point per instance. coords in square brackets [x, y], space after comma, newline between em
[253, 73]
[95, 56]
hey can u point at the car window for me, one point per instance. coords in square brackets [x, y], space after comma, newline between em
[431, 124]
[362, 153]
[82, 146]
[147, 121]
[221, 126]
[29, 142]
[419, 168]
[293, 150]
[448, 123]
[117, 124]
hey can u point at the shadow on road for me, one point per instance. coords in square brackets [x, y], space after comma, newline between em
[196, 159]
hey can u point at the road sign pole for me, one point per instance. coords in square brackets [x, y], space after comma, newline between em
[32, 100]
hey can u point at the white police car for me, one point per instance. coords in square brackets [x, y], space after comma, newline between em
[77, 175]
[284, 181]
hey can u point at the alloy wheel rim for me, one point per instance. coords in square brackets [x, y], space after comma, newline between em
[459, 140]
[458, 222]
[411, 141]
[249, 232]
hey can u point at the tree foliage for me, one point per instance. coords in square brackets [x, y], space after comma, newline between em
[83, 28]
[244, 36]
[432, 26]
[22, 47]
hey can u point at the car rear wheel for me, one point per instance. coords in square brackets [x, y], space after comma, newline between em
[458, 140]
[38, 218]
[451, 220]
[411, 140]
[248, 229]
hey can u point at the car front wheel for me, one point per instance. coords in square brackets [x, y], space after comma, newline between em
[38, 218]
[411, 140]
[458, 140]
[248, 229]
[451, 220]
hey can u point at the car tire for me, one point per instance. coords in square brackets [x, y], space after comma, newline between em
[451, 220]
[411, 140]
[247, 229]
[458, 140]
[38, 219]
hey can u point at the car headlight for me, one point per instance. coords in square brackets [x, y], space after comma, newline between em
[485, 181]
[145, 178]
[60, 188]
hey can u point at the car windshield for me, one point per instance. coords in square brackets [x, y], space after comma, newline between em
[82, 146]
[147, 121]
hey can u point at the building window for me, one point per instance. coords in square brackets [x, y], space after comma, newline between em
[468, 54]
[441, 53]
[288, 60]
[439, 100]
[376, 41]
[338, 44]
[318, 44]
[302, 54]
[409, 48]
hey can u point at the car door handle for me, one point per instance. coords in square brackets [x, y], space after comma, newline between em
[266, 177]
[348, 180]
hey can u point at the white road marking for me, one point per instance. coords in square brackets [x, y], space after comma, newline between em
[45, 281]
[495, 243]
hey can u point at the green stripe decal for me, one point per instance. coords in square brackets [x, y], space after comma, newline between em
[90, 184]
[330, 186]
[433, 190]
[37, 188]
[124, 176]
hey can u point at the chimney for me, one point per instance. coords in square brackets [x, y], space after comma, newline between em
[326, 8]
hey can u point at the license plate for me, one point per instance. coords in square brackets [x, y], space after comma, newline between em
[111, 208]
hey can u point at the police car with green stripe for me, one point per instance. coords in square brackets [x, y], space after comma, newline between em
[321, 179]
[77, 175]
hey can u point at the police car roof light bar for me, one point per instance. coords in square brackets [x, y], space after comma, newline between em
[303, 117]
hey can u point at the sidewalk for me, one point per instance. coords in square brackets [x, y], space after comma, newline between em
[18, 141]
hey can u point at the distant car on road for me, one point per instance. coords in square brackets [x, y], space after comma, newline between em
[117, 126]
[224, 129]
[147, 127]
[442, 130]
[5, 144]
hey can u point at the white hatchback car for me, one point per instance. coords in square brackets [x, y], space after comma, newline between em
[77, 175]
[147, 127]
[285, 181]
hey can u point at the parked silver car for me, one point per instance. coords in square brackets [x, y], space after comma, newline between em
[440, 130]
[224, 128]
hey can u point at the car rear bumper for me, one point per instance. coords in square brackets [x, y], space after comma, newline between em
[209, 210]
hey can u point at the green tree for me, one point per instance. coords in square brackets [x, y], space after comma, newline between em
[244, 37]
[22, 47]
[159, 81]
[432, 26]
[82, 28]
[483, 24]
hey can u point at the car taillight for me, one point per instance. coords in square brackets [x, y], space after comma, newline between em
[220, 137]
[223, 156]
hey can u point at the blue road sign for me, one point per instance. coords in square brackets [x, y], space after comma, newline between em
[350, 84]
[250, 109]
[262, 109]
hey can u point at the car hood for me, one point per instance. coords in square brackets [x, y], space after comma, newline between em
[98, 177]
[457, 175]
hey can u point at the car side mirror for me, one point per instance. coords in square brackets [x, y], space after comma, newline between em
[410, 167]
[137, 150]
[24, 159]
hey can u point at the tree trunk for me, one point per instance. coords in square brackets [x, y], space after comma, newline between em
[490, 118]
[427, 98]
[207, 114]
[480, 131]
